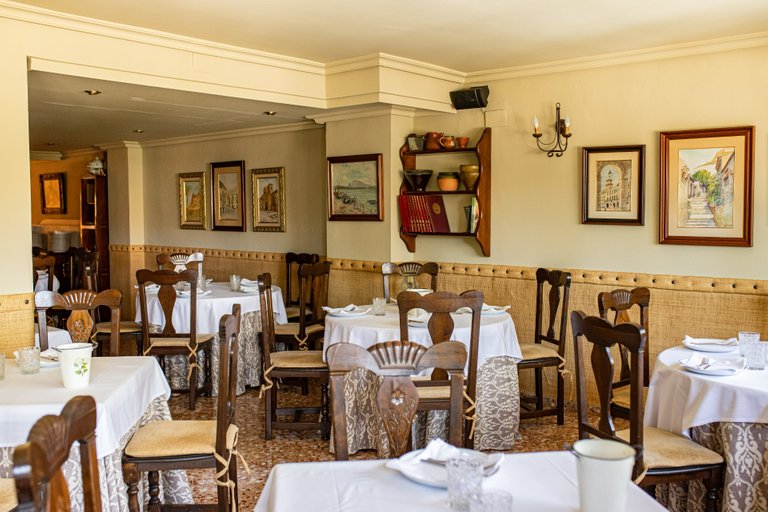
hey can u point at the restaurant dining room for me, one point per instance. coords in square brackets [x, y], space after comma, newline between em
[370, 257]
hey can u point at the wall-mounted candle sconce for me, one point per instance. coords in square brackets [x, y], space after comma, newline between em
[559, 144]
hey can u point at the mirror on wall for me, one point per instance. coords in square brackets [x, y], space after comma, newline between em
[53, 199]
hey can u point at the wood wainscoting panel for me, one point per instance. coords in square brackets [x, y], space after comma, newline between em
[17, 322]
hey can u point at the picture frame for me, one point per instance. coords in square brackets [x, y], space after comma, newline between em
[707, 187]
[613, 185]
[53, 193]
[228, 195]
[355, 188]
[193, 210]
[268, 187]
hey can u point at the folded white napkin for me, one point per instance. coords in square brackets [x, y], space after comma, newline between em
[348, 310]
[418, 315]
[721, 366]
[151, 288]
[709, 341]
[438, 452]
[248, 283]
[43, 272]
[487, 308]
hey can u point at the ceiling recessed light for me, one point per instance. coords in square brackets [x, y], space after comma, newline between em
[92, 92]
[138, 130]
[270, 113]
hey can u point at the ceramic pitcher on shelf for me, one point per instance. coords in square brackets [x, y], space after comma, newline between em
[432, 140]
[448, 142]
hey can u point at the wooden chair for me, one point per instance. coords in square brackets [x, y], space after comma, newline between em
[193, 444]
[169, 342]
[37, 464]
[81, 305]
[47, 263]
[84, 269]
[313, 295]
[434, 394]
[302, 364]
[291, 259]
[537, 355]
[180, 261]
[664, 456]
[398, 397]
[409, 269]
[620, 302]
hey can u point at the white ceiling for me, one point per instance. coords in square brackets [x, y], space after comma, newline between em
[462, 35]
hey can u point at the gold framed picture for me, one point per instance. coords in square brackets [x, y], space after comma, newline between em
[268, 186]
[228, 191]
[192, 201]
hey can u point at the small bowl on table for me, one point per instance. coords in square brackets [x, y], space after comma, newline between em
[417, 178]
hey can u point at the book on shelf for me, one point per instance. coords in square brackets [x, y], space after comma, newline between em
[437, 215]
[423, 214]
[474, 218]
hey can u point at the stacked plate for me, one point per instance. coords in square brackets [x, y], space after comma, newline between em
[59, 241]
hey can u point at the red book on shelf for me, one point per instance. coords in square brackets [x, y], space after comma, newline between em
[438, 218]
[405, 214]
[413, 210]
[424, 209]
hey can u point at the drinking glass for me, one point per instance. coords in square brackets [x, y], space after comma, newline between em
[234, 282]
[465, 480]
[379, 306]
[746, 338]
[202, 283]
[29, 360]
[755, 355]
[2, 366]
[491, 501]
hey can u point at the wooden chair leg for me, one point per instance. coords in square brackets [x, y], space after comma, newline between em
[153, 478]
[193, 382]
[131, 479]
[268, 412]
[560, 398]
[713, 484]
[208, 374]
[325, 421]
[539, 386]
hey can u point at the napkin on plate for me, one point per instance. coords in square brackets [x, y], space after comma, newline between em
[418, 315]
[700, 362]
[439, 452]
[248, 283]
[346, 310]
[710, 341]
[487, 308]
[50, 354]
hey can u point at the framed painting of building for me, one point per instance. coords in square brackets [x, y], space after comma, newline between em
[53, 193]
[268, 199]
[612, 183]
[228, 195]
[192, 201]
[707, 187]
[355, 188]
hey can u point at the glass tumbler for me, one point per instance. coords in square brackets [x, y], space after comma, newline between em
[755, 355]
[491, 501]
[29, 360]
[746, 338]
[379, 306]
[234, 282]
[465, 480]
[202, 283]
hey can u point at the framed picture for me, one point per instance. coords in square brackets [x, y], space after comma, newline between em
[268, 199]
[354, 188]
[228, 194]
[53, 193]
[192, 201]
[706, 187]
[612, 185]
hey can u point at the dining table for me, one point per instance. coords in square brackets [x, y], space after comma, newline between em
[725, 413]
[42, 282]
[539, 481]
[498, 392]
[56, 336]
[212, 304]
[129, 392]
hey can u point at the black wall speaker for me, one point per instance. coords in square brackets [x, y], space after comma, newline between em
[476, 97]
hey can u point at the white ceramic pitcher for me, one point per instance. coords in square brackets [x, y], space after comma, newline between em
[604, 470]
[75, 361]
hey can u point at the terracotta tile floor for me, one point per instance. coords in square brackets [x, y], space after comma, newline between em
[537, 435]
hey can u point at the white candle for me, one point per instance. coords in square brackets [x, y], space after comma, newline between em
[535, 124]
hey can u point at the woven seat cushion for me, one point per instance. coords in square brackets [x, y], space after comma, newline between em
[292, 329]
[532, 351]
[178, 342]
[125, 327]
[621, 396]
[435, 392]
[663, 449]
[292, 311]
[173, 438]
[298, 359]
[7, 494]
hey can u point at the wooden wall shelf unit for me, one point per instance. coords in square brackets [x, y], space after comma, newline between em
[482, 191]
[94, 223]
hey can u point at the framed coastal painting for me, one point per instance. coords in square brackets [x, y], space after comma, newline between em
[192, 201]
[228, 195]
[268, 199]
[706, 187]
[354, 188]
[613, 179]
[53, 193]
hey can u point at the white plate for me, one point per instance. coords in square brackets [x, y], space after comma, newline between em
[350, 313]
[710, 347]
[47, 363]
[494, 310]
[716, 371]
[434, 475]
[187, 293]
[418, 323]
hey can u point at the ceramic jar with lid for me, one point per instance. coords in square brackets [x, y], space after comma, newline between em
[448, 181]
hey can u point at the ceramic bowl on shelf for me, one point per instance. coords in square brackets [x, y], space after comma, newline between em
[469, 175]
[417, 178]
[448, 181]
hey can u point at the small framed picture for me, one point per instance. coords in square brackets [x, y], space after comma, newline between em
[228, 191]
[612, 185]
[192, 201]
[354, 188]
[706, 187]
[268, 199]
[53, 193]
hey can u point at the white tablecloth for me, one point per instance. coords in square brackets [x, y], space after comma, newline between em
[211, 307]
[42, 282]
[497, 332]
[679, 400]
[56, 337]
[541, 482]
[123, 388]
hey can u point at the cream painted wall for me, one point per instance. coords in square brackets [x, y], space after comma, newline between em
[537, 200]
[300, 152]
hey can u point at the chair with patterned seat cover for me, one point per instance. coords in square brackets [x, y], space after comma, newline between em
[409, 271]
